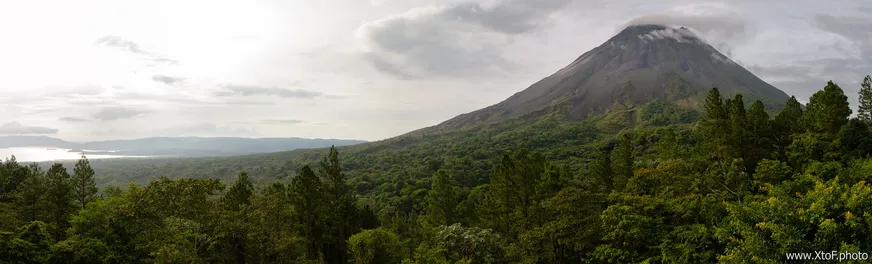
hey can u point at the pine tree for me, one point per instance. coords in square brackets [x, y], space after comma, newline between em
[343, 212]
[828, 110]
[60, 198]
[306, 195]
[714, 105]
[32, 195]
[855, 140]
[236, 202]
[786, 123]
[864, 111]
[622, 161]
[239, 194]
[601, 171]
[441, 201]
[715, 125]
[738, 133]
[84, 187]
[760, 139]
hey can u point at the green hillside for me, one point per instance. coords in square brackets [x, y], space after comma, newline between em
[468, 152]
[634, 185]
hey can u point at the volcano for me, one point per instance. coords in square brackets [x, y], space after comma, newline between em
[640, 64]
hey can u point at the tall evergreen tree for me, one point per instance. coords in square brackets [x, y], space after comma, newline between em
[236, 201]
[786, 123]
[32, 195]
[343, 210]
[622, 161]
[240, 193]
[738, 128]
[512, 190]
[855, 140]
[714, 105]
[715, 125]
[760, 135]
[601, 171]
[84, 186]
[828, 110]
[306, 195]
[864, 111]
[60, 198]
[441, 201]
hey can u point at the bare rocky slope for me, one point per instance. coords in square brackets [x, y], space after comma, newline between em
[640, 64]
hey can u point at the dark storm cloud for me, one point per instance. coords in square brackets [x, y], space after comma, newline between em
[168, 80]
[115, 113]
[15, 128]
[72, 119]
[458, 39]
[248, 90]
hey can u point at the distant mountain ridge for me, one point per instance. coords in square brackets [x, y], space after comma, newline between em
[640, 64]
[179, 146]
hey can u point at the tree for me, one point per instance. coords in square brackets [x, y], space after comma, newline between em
[513, 188]
[441, 201]
[622, 161]
[601, 171]
[828, 110]
[738, 128]
[306, 196]
[473, 244]
[787, 123]
[864, 111]
[236, 202]
[60, 198]
[759, 135]
[32, 195]
[714, 124]
[375, 246]
[855, 140]
[84, 187]
[343, 212]
[239, 194]
[571, 229]
[788, 120]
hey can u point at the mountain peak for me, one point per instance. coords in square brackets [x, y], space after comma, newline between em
[640, 64]
[654, 32]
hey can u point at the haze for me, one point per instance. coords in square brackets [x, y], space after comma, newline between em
[92, 70]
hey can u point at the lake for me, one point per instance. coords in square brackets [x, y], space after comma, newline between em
[38, 154]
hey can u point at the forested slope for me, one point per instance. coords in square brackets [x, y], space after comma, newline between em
[738, 186]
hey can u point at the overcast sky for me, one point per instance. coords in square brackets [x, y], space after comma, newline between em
[358, 69]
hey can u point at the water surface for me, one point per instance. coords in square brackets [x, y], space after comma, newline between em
[38, 154]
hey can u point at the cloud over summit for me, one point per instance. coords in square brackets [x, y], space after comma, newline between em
[456, 39]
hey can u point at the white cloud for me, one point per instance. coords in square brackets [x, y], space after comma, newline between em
[401, 65]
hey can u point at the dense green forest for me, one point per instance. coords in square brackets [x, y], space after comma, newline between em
[654, 184]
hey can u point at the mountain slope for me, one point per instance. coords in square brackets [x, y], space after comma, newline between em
[640, 64]
[643, 78]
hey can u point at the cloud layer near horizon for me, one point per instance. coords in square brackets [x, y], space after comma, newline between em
[362, 69]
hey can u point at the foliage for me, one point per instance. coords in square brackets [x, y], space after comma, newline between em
[736, 186]
[375, 246]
